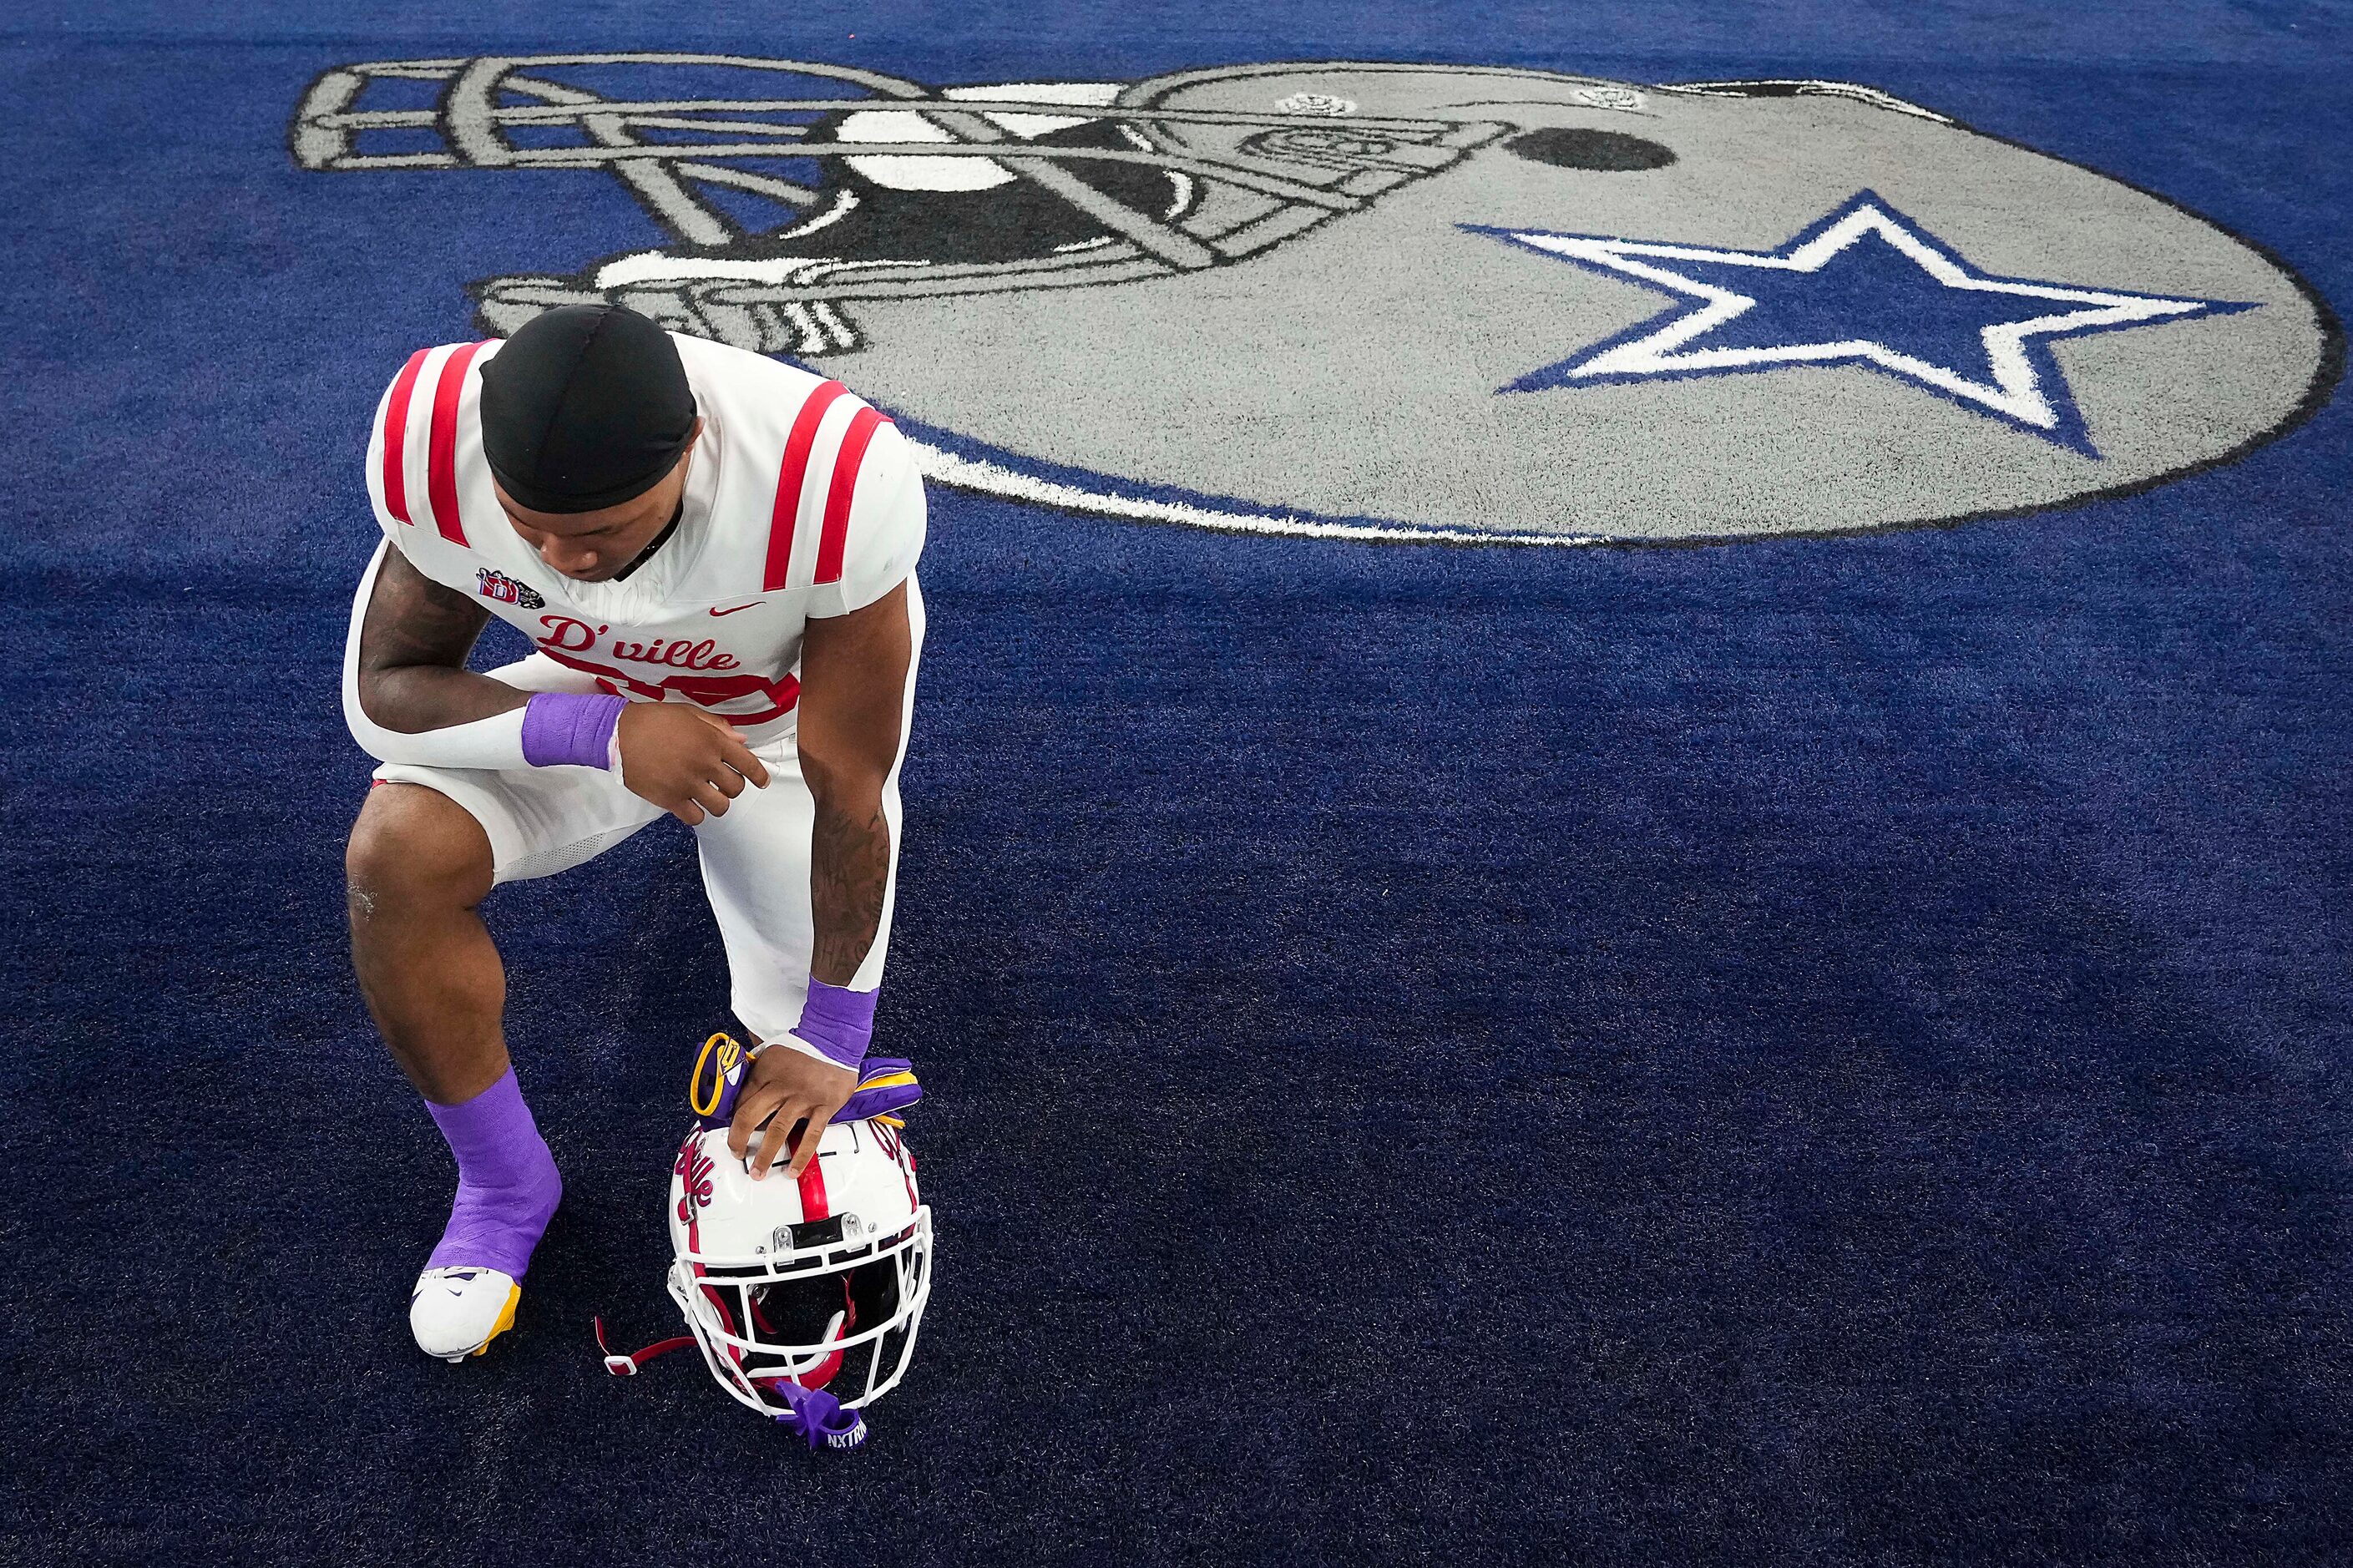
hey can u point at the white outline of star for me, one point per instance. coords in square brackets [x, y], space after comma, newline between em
[2015, 394]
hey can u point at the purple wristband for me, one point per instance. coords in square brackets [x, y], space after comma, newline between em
[574, 728]
[839, 1022]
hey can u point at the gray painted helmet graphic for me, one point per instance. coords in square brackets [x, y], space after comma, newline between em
[1371, 300]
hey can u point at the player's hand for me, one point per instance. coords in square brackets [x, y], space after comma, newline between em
[684, 760]
[787, 1088]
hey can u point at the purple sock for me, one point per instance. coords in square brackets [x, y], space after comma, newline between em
[507, 1184]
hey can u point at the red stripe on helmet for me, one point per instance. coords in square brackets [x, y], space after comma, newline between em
[441, 456]
[835, 540]
[814, 1203]
[789, 480]
[396, 438]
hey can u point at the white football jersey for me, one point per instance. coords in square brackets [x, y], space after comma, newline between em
[800, 501]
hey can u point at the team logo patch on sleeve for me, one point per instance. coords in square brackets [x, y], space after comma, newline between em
[506, 590]
[1417, 302]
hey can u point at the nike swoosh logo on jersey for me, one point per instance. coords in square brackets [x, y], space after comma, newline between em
[732, 608]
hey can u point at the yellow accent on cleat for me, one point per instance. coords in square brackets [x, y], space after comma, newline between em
[457, 1312]
[506, 1321]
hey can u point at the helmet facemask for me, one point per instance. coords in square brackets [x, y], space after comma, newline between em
[839, 1319]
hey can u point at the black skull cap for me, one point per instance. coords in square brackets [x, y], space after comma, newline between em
[587, 407]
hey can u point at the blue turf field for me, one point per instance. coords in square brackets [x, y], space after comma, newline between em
[1823, 1051]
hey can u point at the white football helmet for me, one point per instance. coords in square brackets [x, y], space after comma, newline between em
[811, 1285]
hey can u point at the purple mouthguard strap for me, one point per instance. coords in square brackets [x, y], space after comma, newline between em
[574, 728]
[818, 1416]
[839, 1022]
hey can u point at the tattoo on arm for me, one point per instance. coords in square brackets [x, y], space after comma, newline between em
[849, 868]
[854, 671]
[412, 619]
[413, 645]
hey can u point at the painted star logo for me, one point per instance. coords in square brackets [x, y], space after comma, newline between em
[1864, 286]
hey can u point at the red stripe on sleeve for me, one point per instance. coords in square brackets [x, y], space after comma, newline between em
[814, 1205]
[441, 456]
[396, 438]
[832, 544]
[789, 480]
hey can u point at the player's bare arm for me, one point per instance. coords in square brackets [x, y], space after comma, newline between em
[413, 677]
[853, 690]
[413, 648]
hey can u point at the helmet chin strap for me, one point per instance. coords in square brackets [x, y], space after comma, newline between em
[817, 1368]
[809, 1413]
[626, 1365]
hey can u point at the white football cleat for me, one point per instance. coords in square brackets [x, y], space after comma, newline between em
[457, 1312]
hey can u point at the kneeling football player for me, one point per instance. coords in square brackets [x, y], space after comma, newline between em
[714, 553]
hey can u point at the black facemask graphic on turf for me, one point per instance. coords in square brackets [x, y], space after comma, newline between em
[1016, 221]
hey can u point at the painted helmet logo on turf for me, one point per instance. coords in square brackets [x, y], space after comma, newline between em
[1399, 301]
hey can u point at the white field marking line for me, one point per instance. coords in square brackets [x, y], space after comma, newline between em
[992, 479]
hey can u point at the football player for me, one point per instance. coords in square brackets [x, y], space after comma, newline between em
[714, 555]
